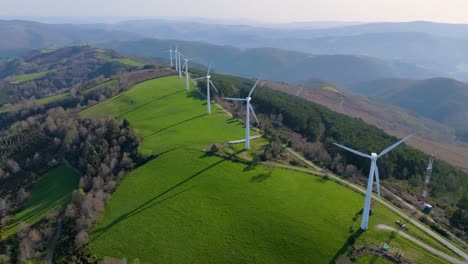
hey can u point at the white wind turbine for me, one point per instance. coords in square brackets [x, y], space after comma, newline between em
[248, 109]
[176, 52]
[208, 84]
[180, 65]
[170, 52]
[187, 77]
[374, 170]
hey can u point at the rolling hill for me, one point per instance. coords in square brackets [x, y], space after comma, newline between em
[187, 204]
[42, 73]
[274, 64]
[436, 47]
[20, 36]
[51, 192]
[442, 99]
[432, 136]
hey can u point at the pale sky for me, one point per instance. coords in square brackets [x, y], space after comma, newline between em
[452, 11]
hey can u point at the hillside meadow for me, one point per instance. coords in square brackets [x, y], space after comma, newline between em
[189, 206]
[52, 191]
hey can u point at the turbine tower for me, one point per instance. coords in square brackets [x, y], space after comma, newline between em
[176, 52]
[170, 52]
[187, 87]
[208, 84]
[180, 66]
[374, 170]
[248, 109]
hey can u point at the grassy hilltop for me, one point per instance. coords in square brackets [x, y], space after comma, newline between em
[187, 206]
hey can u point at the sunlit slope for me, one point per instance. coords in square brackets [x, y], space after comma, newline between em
[167, 116]
[51, 191]
[189, 207]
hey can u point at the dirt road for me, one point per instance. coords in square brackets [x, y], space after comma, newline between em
[423, 245]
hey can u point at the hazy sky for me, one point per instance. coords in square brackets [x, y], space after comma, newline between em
[455, 11]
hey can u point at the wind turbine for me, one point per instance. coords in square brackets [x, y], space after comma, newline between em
[248, 109]
[170, 52]
[186, 72]
[176, 55]
[374, 170]
[180, 65]
[208, 84]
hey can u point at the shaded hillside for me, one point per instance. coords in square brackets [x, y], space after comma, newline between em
[19, 36]
[442, 99]
[45, 73]
[274, 64]
[433, 137]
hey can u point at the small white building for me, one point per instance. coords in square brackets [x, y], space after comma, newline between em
[427, 208]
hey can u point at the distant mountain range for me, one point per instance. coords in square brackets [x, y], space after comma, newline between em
[276, 64]
[441, 99]
[18, 37]
[437, 48]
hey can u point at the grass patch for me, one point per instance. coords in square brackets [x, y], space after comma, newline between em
[331, 89]
[101, 85]
[50, 99]
[187, 205]
[130, 62]
[51, 191]
[48, 50]
[30, 77]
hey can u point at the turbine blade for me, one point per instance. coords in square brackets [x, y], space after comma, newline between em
[253, 88]
[253, 113]
[196, 79]
[234, 99]
[353, 151]
[377, 179]
[209, 69]
[385, 151]
[214, 87]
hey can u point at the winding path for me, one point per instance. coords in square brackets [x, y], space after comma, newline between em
[423, 245]
[50, 250]
[390, 206]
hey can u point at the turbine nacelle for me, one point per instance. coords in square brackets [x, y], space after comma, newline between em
[208, 76]
[248, 99]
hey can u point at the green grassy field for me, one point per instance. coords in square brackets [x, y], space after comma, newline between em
[101, 85]
[49, 99]
[130, 62]
[187, 206]
[51, 191]
[30, 77]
